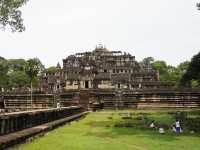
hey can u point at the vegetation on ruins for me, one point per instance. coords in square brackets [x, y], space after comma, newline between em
[124, 130]
[11, 15]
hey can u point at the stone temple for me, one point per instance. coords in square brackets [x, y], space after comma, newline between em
[102, 69]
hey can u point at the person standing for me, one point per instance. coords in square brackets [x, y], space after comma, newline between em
[178, 127]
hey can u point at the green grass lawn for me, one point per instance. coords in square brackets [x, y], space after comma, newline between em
[108, 130]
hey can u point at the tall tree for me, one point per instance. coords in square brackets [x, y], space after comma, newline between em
[10, 14]
[33, 68]
[192, 74]
[3, 73]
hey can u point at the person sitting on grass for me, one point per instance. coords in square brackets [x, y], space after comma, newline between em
[174, 128]
[161, 130]
[152, 125]
[181, 130]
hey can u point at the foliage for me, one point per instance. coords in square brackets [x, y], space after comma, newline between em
[18, 79]
[17, 64]
[51, 69]
[4, 68]
[13, 73]
[10, 15]
[148, 60]
[161, 66]
[170, 73]
[33, 68]
[192, 76]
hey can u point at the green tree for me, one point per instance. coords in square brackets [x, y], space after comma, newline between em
[32, 69]
[10, 14]
[3, 73]
[51, 69]
[170, 73]
[182, 67]
[192, 75]
[161, 66]
[148, 60]
[18, 79]
[17, 65]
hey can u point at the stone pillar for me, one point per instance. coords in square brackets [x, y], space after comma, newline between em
[2, 125]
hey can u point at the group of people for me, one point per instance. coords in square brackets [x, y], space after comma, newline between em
[176, 128]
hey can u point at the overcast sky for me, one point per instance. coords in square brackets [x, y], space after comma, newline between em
[164, 29]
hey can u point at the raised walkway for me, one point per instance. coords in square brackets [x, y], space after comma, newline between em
[9, 140]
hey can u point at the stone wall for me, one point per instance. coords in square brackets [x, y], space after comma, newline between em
[12, 122]
[22, 102]
[112, 99]
[149, 99]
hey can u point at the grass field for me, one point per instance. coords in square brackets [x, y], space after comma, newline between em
[118, 130]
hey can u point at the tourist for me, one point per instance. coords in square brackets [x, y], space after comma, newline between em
[161, 130]
[152, 125]
[178, 127]
[174, 128]
[181, 130]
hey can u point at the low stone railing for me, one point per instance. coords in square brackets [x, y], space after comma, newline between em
[12, 122]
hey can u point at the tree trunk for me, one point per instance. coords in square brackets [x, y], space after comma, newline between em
[31, 95]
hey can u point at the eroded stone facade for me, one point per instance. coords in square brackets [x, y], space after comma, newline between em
[103, 69]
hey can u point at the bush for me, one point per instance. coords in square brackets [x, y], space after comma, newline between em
[192, 124]
[181, 116]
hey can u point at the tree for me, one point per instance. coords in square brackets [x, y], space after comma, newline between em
[170, 73]
[161, 66]
[198, 6]
[17, 65]
[3, 73]
[182, 67]
[18, 79]
[192, 75]
[32, 69]
[10, 15]
[148, 60]
[52, 69]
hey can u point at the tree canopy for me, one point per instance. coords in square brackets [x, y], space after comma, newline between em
[51, 69]
[168, 73]
[192, 75]
[13, 72]
[33, 67]
[11, 15]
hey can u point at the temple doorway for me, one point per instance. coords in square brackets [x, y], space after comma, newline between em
[86, 84]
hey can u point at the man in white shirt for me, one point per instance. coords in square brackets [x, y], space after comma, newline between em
[178, 127]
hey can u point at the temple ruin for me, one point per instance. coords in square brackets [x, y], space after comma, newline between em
[102, 69]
